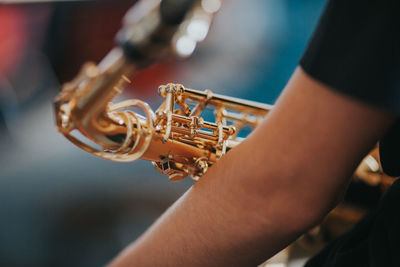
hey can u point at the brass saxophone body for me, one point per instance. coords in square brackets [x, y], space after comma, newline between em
[175, 137]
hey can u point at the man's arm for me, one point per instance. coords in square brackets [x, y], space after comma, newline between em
[275, 185]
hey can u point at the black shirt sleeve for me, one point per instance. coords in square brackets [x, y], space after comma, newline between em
[356, 50]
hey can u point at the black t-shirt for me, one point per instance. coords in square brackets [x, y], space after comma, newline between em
[356, 50]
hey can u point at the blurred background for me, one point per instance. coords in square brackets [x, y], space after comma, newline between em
[60, 206]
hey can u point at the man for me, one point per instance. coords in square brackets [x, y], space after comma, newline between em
[287, 175]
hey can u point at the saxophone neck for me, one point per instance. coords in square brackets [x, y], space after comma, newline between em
[152, 30]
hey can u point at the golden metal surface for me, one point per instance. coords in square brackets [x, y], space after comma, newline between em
[176, 137]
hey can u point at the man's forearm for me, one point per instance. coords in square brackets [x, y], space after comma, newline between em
[268, 190]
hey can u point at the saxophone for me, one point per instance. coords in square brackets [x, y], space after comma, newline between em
[175, 138]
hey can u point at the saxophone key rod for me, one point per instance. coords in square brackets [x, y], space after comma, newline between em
[234, 103]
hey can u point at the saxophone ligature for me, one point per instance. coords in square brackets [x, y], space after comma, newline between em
[176, 137]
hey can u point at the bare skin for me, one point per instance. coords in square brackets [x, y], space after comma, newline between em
[274, 186]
